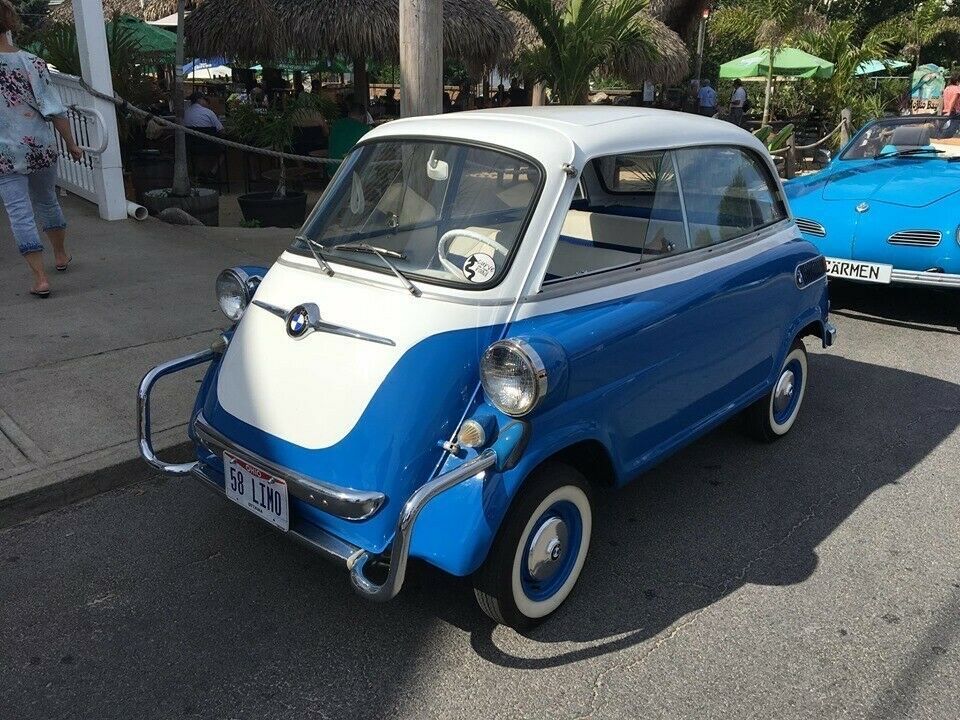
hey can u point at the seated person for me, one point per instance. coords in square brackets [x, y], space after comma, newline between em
[199, 116]
[391, 106]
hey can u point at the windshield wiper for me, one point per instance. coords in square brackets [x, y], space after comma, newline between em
[313, 245]
[382, 253]
[901, 153]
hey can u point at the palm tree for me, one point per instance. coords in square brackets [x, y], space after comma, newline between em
[835, 44]
[769, 23]
[581, 36]
[926, 23]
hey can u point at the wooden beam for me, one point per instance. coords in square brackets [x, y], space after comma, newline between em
[421, 57]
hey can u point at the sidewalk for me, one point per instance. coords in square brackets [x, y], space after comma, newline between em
[135, 295]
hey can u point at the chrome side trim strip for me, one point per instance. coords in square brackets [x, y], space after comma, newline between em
[932, 279]
[304, 533]
[343, 502]
[408, 516]
[143, 410]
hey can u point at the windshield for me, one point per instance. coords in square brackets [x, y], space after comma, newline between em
[907, 137]
[440, 212]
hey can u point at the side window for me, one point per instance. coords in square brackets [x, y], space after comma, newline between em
[626, 211]
[728, 192]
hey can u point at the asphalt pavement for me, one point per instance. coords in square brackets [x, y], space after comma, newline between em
[815, 577]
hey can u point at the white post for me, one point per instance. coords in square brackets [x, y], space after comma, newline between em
[421, 57]
[95, 65]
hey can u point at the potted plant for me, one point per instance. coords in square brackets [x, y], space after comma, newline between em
[276, 128]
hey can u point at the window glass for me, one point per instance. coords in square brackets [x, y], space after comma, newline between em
[438, 210]
[727, 193]
[640, 220]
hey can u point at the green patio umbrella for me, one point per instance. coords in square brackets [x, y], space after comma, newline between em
[158, 44]
[788, 62]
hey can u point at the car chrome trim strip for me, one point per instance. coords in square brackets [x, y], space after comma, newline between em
[933, 279]
[343, 502]
[400, 551]
[305, 533]
[144, 434]
[811, 227]
[314, 322]
[920, 238]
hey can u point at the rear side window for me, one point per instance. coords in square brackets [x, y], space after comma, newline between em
[727, 192]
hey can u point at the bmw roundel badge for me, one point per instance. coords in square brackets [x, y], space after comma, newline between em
[297, 321]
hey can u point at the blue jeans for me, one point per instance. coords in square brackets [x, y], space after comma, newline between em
[29, 199]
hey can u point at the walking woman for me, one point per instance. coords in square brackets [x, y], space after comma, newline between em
[29, 105]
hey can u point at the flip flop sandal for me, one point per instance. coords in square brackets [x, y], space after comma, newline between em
[63, 268]
[40, 293]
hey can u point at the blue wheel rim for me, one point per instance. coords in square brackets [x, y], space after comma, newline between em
[544, 588]
[784, 414]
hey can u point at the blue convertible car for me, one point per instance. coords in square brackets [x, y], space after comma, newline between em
[885, 209]
[489, 317]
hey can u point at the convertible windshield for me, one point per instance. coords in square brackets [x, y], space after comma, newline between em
[438, 212]
[907, 137]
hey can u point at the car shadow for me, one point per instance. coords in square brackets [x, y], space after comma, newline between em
[913, 307]
[726, 511]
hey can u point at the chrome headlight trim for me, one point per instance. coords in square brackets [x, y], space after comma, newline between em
[246, 285]
[533, 363]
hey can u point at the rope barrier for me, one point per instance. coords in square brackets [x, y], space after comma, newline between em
[812, 146]
[129, 108]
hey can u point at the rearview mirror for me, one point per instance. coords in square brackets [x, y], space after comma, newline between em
[438, 170]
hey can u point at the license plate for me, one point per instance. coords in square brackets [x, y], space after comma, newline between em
[859, 270]
[257, 490]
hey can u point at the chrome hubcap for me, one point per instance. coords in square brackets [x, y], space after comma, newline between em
[547, 548]
[783, 393]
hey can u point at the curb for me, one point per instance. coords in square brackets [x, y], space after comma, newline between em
[17, 508]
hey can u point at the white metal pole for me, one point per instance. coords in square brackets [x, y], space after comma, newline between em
[95, 66]
[421, 57]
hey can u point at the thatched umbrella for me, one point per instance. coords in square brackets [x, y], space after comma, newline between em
[151, 10]
[474, 31]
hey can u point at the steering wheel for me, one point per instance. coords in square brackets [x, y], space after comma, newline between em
[448, 236]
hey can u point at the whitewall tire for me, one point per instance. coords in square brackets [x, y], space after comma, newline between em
[774, 414]
[540, 549]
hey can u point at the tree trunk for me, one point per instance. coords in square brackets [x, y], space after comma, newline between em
[361, 81]
[421, 57]
[769, 88]
[181, 176]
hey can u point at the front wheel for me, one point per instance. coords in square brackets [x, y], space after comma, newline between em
[772, 416]
[538, 553]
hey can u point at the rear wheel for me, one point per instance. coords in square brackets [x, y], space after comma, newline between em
[771, 417]
[538, 553]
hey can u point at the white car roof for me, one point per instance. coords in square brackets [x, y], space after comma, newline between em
[562, 132]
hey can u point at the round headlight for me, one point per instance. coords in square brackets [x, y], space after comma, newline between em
[513, 377]
[234, 290]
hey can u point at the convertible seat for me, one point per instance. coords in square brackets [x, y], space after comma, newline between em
[909, 136]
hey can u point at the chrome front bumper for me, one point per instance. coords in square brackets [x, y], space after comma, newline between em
[350, 504]
[930, 279]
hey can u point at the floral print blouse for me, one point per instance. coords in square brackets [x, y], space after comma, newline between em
[27, 97]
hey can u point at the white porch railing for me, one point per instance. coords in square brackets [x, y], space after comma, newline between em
[89, 177]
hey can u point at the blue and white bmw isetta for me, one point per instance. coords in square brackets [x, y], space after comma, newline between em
[487, 318]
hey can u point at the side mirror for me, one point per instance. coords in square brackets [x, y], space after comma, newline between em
[822, 157]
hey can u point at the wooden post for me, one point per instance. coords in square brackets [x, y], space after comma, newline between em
[421, 57]
[846, 117]
[181, 176]
[790, 161]
[95, 68]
